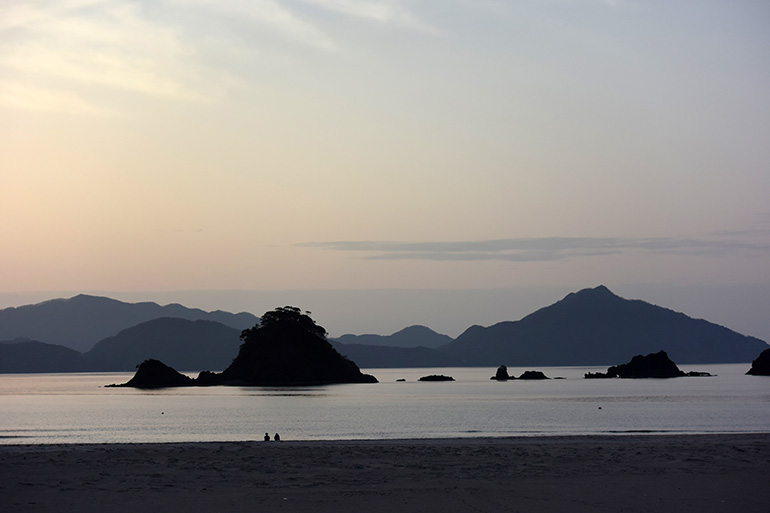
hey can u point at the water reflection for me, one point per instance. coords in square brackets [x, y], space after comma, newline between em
[284, 392]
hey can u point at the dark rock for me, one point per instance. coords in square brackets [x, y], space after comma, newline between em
[287, 353]
[436, 377]
[761, 366]
[156, 374]
[208, 378]
[654, 365]
[533, 375]
[287, 349]
[502, 374]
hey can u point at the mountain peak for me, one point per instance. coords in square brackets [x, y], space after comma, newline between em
[600, 294]
[595, 325]
[416, 329]
[599, 291]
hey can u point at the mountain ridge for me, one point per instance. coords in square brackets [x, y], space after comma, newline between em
[412, 336]
[597, 327]
[181, 343]
[83, 320]
[587, 327]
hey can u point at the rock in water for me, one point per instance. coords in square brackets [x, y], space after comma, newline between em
[436, 377]
[654, 365]
[156, 374]
[288, 353]
[761, 366]
[501, 374]
[533, 375]
[286, 349]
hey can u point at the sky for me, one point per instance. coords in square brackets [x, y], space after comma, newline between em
[387, 163]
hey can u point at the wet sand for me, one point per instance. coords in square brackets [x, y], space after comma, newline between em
[655, 473]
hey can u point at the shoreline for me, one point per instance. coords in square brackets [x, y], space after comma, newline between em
[580, 473]
[646, 434]
[7, 441]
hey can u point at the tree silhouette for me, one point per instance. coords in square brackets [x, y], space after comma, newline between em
[287, 317]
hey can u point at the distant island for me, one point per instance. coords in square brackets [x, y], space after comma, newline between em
[287, 348]
[436, 377]
[653, 365]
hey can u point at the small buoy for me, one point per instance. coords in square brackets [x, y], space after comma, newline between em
[161, 413]
[600, 407]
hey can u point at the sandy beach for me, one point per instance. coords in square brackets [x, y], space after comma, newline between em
[688, 473]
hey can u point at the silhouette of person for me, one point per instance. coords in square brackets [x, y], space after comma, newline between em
[267, 437]
[277, 438]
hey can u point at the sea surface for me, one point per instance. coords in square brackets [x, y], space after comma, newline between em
[77, 408]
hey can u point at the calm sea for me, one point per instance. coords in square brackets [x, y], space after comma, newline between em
[76, 408]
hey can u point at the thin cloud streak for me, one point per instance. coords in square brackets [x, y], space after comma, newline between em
[535, 249]
[270, 14]
[67, 48]
[30, 97]
[64, 47]
[384, 12]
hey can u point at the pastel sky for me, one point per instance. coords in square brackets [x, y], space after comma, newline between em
[168, 147]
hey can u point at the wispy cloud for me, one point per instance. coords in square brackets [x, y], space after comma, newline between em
[72, 52]
[270, 15]
[60, 47]
[390, 12]
[30, 97]
[534, 249]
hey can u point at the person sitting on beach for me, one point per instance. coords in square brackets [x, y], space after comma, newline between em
[277, 438]
[267, 437]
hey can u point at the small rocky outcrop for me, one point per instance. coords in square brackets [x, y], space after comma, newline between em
[436, 377]
[156, 374]
[761, 366]
[653, 365]
[531, 374]
[502, 374]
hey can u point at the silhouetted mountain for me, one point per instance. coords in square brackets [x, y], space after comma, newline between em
[368, 356]
[589, 327]
[182, 344]
[23, 355]
[413, 336]
[596, 327]
[82, 321]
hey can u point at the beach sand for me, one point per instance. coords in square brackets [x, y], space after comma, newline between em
[655, 473]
